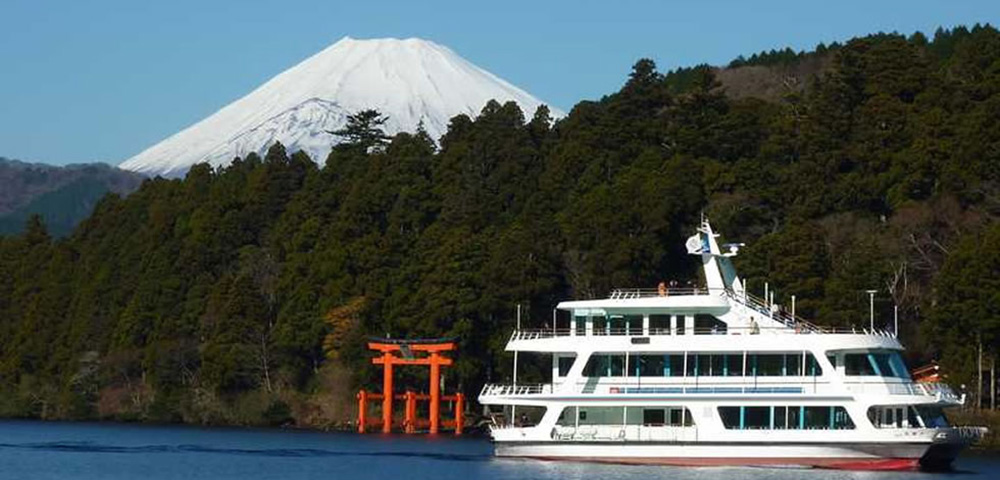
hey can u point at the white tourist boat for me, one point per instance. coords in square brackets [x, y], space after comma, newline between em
[716, 376]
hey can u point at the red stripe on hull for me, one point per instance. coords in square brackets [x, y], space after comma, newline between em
[881, 464]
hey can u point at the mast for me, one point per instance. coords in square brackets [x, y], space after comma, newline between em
[719, 272]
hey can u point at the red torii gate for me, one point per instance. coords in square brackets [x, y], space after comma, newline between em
[434, 358]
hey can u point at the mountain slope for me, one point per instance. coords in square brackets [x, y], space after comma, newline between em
[411, 81]
[63, 196]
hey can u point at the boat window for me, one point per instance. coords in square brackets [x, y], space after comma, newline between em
[581, 325]
[654, 416]
[649, 416]
[733, 366]
[793, 364]
[658, 365]
[681, 417]
[833, 360]
[651, 366]
[633, 324]
[782, 365]
[781, 418]
[812, 366]
[841, 419]
[676, 364]
[708, 365]
[785, 417]
[912, 418]
[857, 364]
[565, 363]
[894, 416]
[876, 363]
[933, 417]
[756, 418]
[767, 365]
[659, 324]
[899, 366]
[881, 362]
[617, 325]
[817, 418]
[602, 415]
[730, 417]
[605, 365]
[705, 324]
[602, 326]
[681, 324]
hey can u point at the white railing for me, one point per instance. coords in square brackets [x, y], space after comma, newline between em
[546, 333]
[763, 308]
[630, 293]
[539, 333]
[496, 389]
[942, 391]
[692, 386]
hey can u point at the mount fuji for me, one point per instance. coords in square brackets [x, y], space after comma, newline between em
[409, 81]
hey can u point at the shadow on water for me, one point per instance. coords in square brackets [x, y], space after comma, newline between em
[92, 447]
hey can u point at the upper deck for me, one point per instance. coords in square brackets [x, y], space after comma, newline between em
[733, 339]
[688, 318]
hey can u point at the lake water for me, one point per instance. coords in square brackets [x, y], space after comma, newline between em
[42, 450]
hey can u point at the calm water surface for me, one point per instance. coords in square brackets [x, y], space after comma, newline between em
[39, 450]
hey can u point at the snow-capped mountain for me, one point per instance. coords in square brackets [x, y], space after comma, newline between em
[409, 81]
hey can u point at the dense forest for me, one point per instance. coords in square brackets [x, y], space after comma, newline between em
[242, 295]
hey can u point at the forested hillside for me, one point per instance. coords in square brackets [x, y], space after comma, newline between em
[242, 295]
[62, 196]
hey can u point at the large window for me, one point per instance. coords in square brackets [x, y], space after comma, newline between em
[605, 365]
[906, 416]
[581, 324]
[733, 365]
[785, 417]
[601, 325]
[782, 365]
[756, 417]
[565, 363]
[633, 323]
[659, 324]
[650, 365]
[705, 324]
[723, 365]
[715, 365]
[876, 363]
[858, 364]
[637, 415]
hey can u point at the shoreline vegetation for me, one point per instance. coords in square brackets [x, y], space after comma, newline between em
[243, 295]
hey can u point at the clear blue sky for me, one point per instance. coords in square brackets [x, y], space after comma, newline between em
[100, 80]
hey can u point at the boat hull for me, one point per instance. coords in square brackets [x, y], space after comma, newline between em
[898, 456]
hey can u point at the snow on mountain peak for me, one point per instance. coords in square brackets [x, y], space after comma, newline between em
[409, 80]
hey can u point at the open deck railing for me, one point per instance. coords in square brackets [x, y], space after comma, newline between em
[940, 390]
[771, 311]
[496, 389]
[545, 333]
[629, 293]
